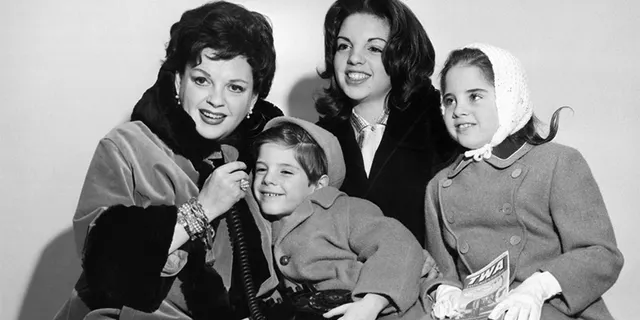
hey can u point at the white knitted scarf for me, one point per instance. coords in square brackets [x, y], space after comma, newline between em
[512, 97]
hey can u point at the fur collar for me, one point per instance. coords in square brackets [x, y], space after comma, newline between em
[158, 109]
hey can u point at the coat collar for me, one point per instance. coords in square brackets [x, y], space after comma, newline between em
[324, 197]
[417, 126]
[402, 123]
[407, 128]
[505, 154]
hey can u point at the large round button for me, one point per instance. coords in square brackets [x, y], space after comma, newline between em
[464, 247]
[514, 240]
[516, 173]
[506, 208]
[447, 183]
[284, 260]
[450, 217]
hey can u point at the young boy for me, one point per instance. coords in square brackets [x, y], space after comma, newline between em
[326, 239]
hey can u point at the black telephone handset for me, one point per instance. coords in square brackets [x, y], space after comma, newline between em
[312, 305]
[240, 250]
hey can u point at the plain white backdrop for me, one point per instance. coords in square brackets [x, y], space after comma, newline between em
[74, 69]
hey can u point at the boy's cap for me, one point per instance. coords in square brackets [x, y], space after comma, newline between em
[327, 141]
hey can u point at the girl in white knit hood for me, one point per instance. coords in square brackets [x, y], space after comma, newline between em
[513, 190]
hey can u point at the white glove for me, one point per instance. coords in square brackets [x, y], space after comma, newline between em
[447, 299]
[525, 301]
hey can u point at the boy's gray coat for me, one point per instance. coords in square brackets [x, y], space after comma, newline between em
[334, 241]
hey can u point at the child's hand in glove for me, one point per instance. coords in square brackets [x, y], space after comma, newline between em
[525, 301]
[447, 299]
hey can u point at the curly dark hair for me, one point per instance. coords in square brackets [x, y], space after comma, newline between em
[230, 30]
[477, 58]
[408, 57]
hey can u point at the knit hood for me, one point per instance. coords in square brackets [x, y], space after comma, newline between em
[512, 97]
[327, 141]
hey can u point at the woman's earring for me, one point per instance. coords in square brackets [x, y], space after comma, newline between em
[249, 113]
[177, 87]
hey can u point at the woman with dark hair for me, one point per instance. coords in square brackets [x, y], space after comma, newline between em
[148, 224]
[382, 106]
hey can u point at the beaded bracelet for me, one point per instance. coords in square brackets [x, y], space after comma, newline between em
[188, 221]
[198, 211]
[195, 222]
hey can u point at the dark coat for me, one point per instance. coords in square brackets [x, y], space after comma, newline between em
[414, 147]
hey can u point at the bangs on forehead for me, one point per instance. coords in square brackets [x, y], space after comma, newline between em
[213, 54]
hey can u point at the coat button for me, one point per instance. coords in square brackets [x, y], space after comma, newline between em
[506, 208]
[516, 173]
[450, 218]
[515, 240]
[447, 183]
[284, 260]
[464, 247]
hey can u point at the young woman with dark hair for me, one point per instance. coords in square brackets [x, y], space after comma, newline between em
[382, 106]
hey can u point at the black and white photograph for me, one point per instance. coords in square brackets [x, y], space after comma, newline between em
[319, 159]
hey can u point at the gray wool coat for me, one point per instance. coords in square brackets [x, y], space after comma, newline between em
[132, 166]
[541, 204]
[333, 241]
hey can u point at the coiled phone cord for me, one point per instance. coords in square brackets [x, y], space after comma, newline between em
[238, 243]
[242, 253]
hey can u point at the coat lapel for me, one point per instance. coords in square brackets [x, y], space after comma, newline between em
[401, 132]
[323, 197]
[281, 228]
[508, 152]
[514, 153]
[352, 155]
[460, 163]
[406, 128]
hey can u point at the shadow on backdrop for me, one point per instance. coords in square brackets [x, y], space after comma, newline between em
[53, 279]
[301, 97]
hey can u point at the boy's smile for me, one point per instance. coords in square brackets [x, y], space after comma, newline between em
[280, 183]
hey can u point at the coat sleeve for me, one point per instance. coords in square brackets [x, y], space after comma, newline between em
[590, 261]
[123, 246]
[435, 244]
[392, 256]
